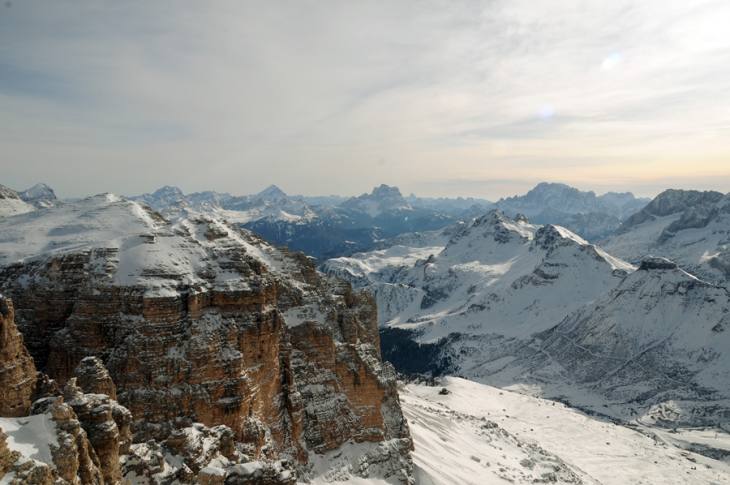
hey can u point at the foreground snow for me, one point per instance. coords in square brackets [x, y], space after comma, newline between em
[479, 434]
[31, 436]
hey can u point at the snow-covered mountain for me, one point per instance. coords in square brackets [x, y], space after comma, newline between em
[147, 250]
[496, 280]
[271, 203]
[654, 348]
[206, 331]
[357, 224]
[686, 226]
[590, 215]
[11, 204]
[569, 200]
[382, 199]
[465, 207]
[163, 199]
[40, 195]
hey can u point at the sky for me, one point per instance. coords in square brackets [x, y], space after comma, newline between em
[441, 98]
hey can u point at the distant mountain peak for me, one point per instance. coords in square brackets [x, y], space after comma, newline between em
[384, 190]
[383, 198]
[168, 190]
[39, 190]
[272, 192]
[583, 212]
[40, 195]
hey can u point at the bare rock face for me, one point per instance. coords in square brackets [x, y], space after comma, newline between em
[96, 412]
[93, 378]
[74, 458]
[85, 433]
[198, 324]
[17, 371]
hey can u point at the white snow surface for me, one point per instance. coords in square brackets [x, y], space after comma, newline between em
[142, 248]
[31, 436]
[656, 347]
[496, 275]
[479, 434]
[11, 204]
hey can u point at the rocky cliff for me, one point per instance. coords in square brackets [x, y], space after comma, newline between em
[17, 371]
[209, 336]
[63, 437]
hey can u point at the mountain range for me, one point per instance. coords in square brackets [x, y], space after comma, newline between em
[687, 226]
[320, 227]
[537, 308]
[171, 339]
[585, 213]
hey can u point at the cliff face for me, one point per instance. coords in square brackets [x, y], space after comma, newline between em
[69, 437]
[199, 325]
[17, 371]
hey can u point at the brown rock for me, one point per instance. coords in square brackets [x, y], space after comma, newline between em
[95, 412]
[93, 378]
[286, 359]
[75, 459]
[17, 371]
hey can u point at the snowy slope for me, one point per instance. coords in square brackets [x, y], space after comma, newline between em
[40, 195]
[656, 347]
[135, 246]
[496, 275]
[11, 204]
[271, 203]
[479, 434]
[32, 437]
[686, 226]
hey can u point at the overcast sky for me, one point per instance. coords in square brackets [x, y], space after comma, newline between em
[333, 97]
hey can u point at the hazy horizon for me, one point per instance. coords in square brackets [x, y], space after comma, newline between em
[473, 99]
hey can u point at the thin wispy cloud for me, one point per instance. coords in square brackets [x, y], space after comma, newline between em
[126, 96]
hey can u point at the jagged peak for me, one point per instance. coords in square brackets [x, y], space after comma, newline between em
[384, 190]
[676, 200]
[168, 190]
[38, 191]
[551, 235]
[272, 192]
[673, 201]
[497, 223]
[554, 186]
[494, 216]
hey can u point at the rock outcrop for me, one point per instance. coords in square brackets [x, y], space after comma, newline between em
[93, 378]
[17, 370]
[198, 324]
[77, 437]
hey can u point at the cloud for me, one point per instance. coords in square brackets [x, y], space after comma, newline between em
[312, 95]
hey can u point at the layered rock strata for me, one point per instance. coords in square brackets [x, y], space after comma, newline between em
[17, 370]
[200, 324]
